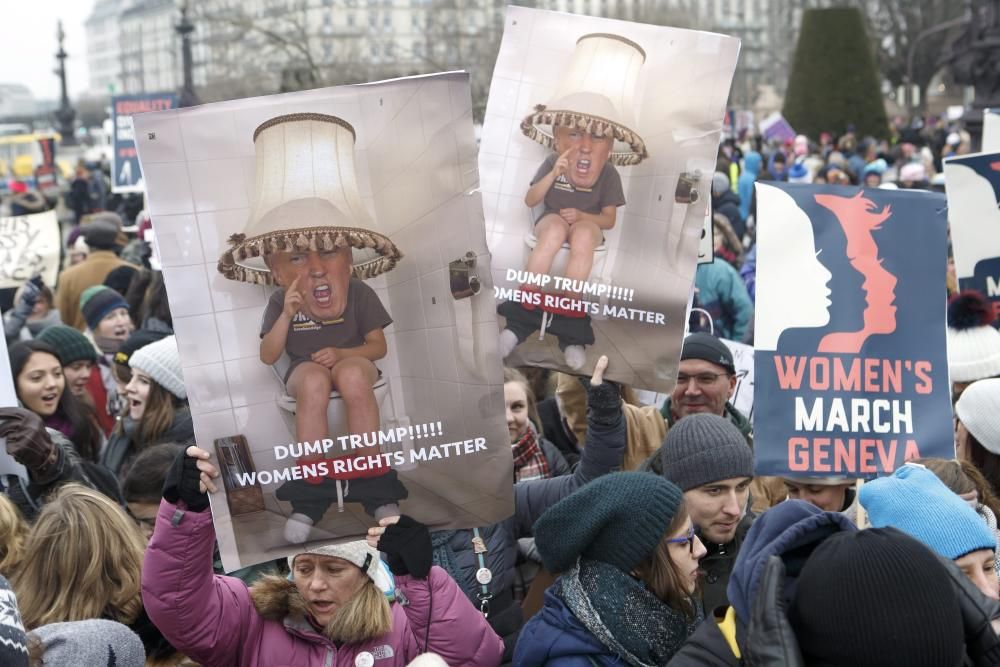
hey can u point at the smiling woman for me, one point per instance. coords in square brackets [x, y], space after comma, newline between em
[41, 387]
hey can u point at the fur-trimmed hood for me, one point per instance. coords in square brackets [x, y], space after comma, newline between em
[276, 598]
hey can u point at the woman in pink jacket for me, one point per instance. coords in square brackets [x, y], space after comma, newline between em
[332, 612]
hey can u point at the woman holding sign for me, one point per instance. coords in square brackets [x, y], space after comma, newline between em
[334, 611]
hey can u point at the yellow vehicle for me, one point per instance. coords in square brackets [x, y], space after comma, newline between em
[20, 154]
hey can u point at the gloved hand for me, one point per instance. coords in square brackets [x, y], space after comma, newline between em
[770, 639]
[407, 546]
[604, 399]
[29, 443]
[978, 611]
[182, 483]
[31, 290]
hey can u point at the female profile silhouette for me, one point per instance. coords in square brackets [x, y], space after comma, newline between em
[789, 273]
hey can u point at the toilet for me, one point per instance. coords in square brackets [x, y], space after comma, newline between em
[562, 257]
[336, 412]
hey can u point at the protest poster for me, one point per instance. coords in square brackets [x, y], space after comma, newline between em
[8, 398]
[851, 372]
[991, 131]
[304, 190]
[972, 183]
[776, 128]
[596, 177]
[29, 246]
[126, 175]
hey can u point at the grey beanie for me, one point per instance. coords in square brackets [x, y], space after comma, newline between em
[94, 642]
[702, 448]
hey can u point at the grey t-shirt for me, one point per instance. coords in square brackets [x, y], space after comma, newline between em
[362, 314]
[607, 191]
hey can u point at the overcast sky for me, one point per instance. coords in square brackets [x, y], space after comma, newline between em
[29, 44]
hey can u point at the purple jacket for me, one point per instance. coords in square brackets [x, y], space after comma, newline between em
[215, 621]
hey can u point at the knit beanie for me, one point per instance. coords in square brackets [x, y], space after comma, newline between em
[973, 343]
[97, 301]
[71, 345]
[358, 553]
[13, 643]
[618, 519]
[876, 598]
[137, 339]
[916, 502]
[702, 448]
[93, 642]
[162, 362]
[707, 347]
[978, 408]
[720, 183]
[120, 278]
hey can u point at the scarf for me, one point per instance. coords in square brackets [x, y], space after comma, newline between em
[107, 345]
[623, 614]
[529, 461]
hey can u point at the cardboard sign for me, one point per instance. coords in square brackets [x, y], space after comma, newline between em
[126, 176]
[29, 246]
[332, 240]
[596, 179]
[973, 187]
[851, 369]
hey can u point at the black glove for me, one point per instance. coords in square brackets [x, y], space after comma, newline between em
[604, 402]
[31, 290]
[30, 445]
[981, 642]
[770, 639]
[407, 546]
[182, 483]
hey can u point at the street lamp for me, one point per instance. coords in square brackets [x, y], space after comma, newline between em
[65, 113]
[188, 98]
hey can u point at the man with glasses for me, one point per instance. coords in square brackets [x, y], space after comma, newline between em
[706, 380]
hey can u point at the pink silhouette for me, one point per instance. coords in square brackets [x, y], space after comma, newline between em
[858, 218]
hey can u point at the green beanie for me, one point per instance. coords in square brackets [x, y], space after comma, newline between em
[618, 519]
[70, 344]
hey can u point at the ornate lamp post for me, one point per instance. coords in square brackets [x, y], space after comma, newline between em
[65, 113]
[188, 98]
[974, 59]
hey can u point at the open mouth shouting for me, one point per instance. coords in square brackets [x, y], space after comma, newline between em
[136, 406]
[322, 295]
[121, 332]
[49, 401]
[583, 167]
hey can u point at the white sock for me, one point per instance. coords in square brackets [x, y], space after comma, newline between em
[508, 341]
[297, 528]
[575, 356]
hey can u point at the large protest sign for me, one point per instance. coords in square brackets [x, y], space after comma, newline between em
[973, 185]
[126, 175]
[29, 246]
[264, 209]
[8, 398]
[596, 176]
[851, 372]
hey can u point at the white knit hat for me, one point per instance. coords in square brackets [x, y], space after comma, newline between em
[162, 362]
[357, 552]
[979, 410]
[973, 343]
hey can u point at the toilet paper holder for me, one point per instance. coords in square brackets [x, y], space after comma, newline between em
[462, 276]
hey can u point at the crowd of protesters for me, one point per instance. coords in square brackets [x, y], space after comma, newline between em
[640, 534]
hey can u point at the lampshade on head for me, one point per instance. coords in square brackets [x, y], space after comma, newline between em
[307, 199]
[596, 95]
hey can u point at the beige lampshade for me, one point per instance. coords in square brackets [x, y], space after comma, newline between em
[306, 198]
[597, 94]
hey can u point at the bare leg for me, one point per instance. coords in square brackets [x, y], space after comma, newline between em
[584, 237]
[551, 232]
[353, 378]
[310, 385]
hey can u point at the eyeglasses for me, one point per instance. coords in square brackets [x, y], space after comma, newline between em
[689, 538]
[701, 379]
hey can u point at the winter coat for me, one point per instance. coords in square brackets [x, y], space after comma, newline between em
[75, 279]
[557, 636]
[29, 496]
[728, 204]
[16, 325]
[121, 449]
[752, 164]
[216, 620]
[791, 530]
[556, 431]
[601, 454]
[724, 295]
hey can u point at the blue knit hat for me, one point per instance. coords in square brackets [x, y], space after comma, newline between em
[618, 519]
[916, 502]
[97, 301]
